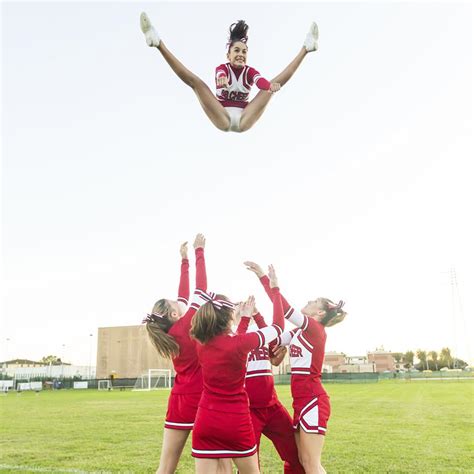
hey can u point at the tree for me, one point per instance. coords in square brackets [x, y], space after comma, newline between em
[433, 355]
[446, 358]
[422, 358]
[408, 359]
[51, 360]
[398, 356]
[459, 363]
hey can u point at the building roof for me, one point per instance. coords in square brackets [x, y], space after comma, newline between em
[21, 361]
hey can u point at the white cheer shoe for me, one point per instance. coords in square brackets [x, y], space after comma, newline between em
[311, 41]
[151, 36]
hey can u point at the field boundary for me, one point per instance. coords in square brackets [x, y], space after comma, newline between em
[13, 467]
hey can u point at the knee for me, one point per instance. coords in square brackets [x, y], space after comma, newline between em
[309, 464]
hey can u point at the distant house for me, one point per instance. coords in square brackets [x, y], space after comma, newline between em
[383, 360]
[17, 363]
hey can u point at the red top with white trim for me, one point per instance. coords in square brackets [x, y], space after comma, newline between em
[259, 382]
[306, 350]
[188, 377]
[224, 358]
[241, 80]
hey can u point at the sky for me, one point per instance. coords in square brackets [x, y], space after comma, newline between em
[355, 183]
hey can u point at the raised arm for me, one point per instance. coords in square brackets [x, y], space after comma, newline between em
[245, 321]
[291, 314]
[265, 281]
[183, 289]
[247, 342]
[201, 276]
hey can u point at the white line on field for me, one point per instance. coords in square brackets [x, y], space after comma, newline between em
[48, 469]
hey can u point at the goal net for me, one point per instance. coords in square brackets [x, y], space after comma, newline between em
[104, 385]
[154, 379]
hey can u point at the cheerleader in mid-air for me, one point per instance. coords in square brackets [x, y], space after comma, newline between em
[307, 342]
[229, 109]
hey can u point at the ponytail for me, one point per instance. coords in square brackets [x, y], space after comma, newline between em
[238, 32]
[158, 323]
[334, 313]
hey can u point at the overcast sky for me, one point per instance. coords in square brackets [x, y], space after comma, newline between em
[356, 183]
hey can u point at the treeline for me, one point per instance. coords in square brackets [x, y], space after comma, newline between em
[429, 360]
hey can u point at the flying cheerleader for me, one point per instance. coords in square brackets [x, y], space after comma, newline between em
[230, 110]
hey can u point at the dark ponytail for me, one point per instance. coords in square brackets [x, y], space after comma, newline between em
[238, 32]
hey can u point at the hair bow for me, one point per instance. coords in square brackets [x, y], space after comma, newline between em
[337, 306]
[217, 303]
[151, 318]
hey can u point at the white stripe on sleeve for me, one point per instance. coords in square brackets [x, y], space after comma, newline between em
[297, 318]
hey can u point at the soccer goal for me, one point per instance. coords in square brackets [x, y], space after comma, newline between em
[104, 385]
[154, 379]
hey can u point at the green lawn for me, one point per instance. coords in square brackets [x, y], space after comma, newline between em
[390, 426]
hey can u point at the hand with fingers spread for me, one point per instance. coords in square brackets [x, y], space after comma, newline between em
[255, 268]
[272, 276]
[183, 250]
[199, 241]
[248, 306]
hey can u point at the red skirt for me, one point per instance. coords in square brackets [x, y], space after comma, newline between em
[219, 434]
[182, 409]
[312, 414]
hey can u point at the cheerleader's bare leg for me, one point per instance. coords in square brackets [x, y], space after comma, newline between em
[211, 106]
[173, 444]
[257, 106]
[310, 448]
[247, 465]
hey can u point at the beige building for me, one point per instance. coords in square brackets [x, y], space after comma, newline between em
[383, 360]
[20, 363]
[334, 360]
[126, 352]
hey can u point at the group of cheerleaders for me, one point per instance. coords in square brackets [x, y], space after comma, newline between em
[229, 109]
[224, 391]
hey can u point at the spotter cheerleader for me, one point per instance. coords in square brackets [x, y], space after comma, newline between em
[168, 327]
[307, 342]
[229, 109]
[269, 416]
[223, 426]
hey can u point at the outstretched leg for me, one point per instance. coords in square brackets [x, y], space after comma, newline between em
[257, 106]
[211, 106]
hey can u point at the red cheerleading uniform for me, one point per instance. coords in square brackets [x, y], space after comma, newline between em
[306, 344]
[241, 80]
[269, 416]
[223, 427]
[186, 392]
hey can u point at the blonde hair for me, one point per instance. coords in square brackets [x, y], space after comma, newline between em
[157, 328]
[334, 313]
[210, 321]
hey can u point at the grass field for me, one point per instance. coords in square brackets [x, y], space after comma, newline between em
[418, 427]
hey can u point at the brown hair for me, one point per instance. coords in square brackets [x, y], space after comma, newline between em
[210, 321]
[158, 327]
[334, 313]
